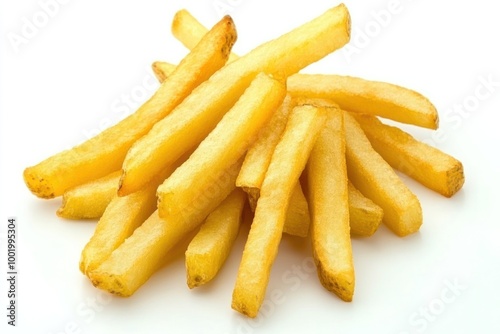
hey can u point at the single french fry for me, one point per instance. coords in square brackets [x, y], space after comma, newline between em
[260, 152]
[210, 248]
[198, 114]
[428, 165]
[287, 163]
[364, 215]
[298, 218]
[376, 179]
[136, 259]
[162, 70]
[122, 216]
[369, 97]
[89, 200]
[223, 146]
[328, 197]
[105, 152]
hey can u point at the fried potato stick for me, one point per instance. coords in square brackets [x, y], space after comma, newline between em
[198, 114]
[105, 152]
[328, 197]
[89, 200]
[428, 165]
[287, 163]
[210, 247]
[376, 179]
[369, 97]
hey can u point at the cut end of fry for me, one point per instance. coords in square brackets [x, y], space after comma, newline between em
[162, 70]
[246, 306]
[37, 184]
[340, 283]
[109, 283]
[456, 179]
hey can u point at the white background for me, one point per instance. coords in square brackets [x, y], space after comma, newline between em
[69, 76]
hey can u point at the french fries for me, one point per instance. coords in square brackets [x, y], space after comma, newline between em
[373, 176]
[105, 152]
[239, 126]
[287, 163]
[350, 93]
[221, 129]
[198, 114]
[257, 160]
[328, 197]
[122, 216]
[364, 215]
[209, 249]
[369, 97]
[150, 243]
[89, 200]
[431, 167]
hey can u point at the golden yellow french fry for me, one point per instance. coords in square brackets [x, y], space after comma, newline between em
[364, 215]
[122, 216]
[198, 114]
[376, 179]
[89, 200]
[428, 165]
[210, 248]
[223, 146]
[136, 259]
[298, 218]
[287, 163]
[369, 97]
[105, 152]
[162, 70]
[185, 27]
[329, 204]
[260, 152]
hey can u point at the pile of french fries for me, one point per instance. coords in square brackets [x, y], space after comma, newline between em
[308, 154]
